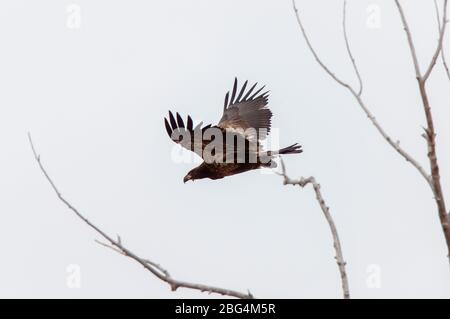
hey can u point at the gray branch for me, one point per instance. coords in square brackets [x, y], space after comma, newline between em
[116, 245]
[444, 60]
[395, 144]
[302, 182]
[432, 178]
[430, 133]
[349, 51]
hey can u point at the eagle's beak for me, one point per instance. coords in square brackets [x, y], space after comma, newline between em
[187, 178]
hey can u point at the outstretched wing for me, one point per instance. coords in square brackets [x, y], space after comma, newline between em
[188, 136]
[211, 143]
[247, 110]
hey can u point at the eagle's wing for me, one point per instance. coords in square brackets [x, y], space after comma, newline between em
[188, 136]
[247, 110]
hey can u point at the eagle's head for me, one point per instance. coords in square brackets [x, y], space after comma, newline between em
[199, 172]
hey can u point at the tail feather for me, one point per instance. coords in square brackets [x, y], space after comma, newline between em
[292, 149]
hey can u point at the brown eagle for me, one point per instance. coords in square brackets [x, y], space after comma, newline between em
[233, 145]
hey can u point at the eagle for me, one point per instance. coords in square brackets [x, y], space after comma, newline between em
[232, 146]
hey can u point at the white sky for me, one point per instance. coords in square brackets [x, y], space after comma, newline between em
[94, 99]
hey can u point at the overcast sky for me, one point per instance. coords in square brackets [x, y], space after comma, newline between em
[93, 90]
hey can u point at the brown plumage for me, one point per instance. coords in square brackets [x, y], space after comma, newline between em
[245, 121]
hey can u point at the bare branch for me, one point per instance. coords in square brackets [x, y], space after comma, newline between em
[392, 142]
[444, 61]
[151, 263]
[410, 41]
[430, 134]
[432, 180]
[117, 246]
[302, 182]
[412, 47]
[316, 56]
[440, 43]
[347, 45]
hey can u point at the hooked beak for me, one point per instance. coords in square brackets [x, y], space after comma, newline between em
[187, 178]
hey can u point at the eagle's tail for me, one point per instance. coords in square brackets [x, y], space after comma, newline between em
[293, 149]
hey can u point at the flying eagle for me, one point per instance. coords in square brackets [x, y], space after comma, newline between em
[233, 145]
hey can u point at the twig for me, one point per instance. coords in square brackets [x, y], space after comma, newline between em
[349, 51]
[392, 142]
[423, 78]
[430, 134]
[444, 61]
[316, 56]
[151, 263]
[439, 44]
[410, 42]
[117, 246]
[302, 182]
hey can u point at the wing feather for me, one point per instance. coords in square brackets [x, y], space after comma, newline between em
[233, 94]
[242, 92]
[168, 128]
[250, 91]
[180, 121]
[247, 111]
[172, 121]
[186, 135]
[190, 124]
[226, 100]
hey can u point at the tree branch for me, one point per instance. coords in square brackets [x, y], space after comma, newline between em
[430, 134]
[349, 51]
[434, 180]
[395, 144]
[444, 61]
[419, 76]
[410, 42]
[316, 56]
[302, 182]
[439, 44]
[116, 245]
